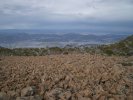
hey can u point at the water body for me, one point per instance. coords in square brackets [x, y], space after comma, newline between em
[34, 44]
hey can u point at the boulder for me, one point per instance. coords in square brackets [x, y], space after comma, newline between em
[53, 94]
[4, 96]
[36, 97]
[65, 96]
[28, 91]
[22, 98]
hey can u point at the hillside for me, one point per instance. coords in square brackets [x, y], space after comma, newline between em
[69, 73]
[66, 77]
[124, 47]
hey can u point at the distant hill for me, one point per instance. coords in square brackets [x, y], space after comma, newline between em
[27, 40]
[123, 47]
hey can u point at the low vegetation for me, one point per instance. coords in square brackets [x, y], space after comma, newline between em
[66, 77]
[122, 48]
[127, 63]
[46, 51]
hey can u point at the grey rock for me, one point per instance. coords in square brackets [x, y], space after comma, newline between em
[53, 94]
[65, 96]
[28, 91]
[22, 98]
[4, 96]
[36, 97]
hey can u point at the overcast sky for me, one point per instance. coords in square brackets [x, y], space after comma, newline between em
[112, 16]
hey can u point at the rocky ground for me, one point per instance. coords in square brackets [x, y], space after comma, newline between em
[66, 77]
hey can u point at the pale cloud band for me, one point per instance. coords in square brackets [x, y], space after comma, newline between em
[23, 14]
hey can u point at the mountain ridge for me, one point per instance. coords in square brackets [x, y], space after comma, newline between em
[39, 39]
[123, 47]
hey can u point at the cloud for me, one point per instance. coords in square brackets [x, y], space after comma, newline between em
[69, 9]
[65, 13]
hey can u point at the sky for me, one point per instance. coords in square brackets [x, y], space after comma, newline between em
[103, 16]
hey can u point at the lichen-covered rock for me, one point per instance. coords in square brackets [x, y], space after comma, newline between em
[28, 91]
[36, 97]
[4, 96]
[65, 95]
[12, 95]
[22, 98]
[53, 94]
[80, 97]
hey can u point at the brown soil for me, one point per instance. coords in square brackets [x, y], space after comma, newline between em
[68, 77]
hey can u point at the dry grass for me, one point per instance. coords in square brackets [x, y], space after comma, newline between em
[79, 76]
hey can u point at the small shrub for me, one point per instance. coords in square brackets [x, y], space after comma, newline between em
[109, 52]
[127, 64]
